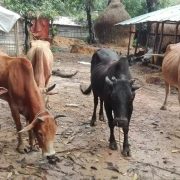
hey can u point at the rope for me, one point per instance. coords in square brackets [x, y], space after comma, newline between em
[119, 138]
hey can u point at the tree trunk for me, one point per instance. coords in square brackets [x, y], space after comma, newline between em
[26, 35]
[89, 19]
[152, 5]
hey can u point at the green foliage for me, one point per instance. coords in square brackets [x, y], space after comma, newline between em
[136, 8]
[35, 8]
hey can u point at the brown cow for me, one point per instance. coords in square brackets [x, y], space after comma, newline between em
[171, 70]
[42, 61]
[24, 97]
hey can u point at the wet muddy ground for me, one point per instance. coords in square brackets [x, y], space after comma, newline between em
[83, 150]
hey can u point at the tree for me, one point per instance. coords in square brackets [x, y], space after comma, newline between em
[34, 8]
[88, 7]
[152, 5]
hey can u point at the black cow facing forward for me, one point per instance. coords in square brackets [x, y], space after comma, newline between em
[111, 82]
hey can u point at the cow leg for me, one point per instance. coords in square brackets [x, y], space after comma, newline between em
[112, 141]
[32, 142]
[167, 89]
[126, 149]
[93, 120]
[101, 115]
[16, 117]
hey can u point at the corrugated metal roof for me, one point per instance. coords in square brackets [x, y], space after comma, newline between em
[167, 14]
[66, 21]
[7, 19]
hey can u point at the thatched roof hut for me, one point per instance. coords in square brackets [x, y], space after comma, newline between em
[104, 27]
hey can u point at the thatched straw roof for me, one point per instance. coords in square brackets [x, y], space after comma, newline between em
[104, 25]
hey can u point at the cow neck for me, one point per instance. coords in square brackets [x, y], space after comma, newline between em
[36, 105]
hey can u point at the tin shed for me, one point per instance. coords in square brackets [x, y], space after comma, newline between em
[11, 32]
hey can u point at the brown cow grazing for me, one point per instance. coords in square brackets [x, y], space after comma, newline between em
[24, 98]
[171, 70]
[3, 90]
[42, 61]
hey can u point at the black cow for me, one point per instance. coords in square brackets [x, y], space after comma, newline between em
[111, 82]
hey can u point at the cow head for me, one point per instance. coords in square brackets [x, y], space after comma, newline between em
[44, 128]
[3, 90]
[121, 96]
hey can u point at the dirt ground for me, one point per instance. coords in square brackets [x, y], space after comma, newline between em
[83, 150]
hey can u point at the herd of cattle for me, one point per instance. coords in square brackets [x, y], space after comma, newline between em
[23, 84]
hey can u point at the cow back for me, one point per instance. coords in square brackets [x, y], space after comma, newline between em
[106, 62]
[42, 61]
[171, 65]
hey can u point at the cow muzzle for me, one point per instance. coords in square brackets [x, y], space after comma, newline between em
[49, 150]
[120, 122]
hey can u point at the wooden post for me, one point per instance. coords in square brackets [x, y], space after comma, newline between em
[16, 33]
[130, 33]
[148, 34]
[155, 41]
[156, 35]
[161, 38]
[137, 39]
[176, 35]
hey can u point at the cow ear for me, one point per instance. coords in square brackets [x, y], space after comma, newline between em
[40, 119]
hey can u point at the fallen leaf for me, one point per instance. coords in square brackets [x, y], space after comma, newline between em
[93, 167]
[175, 151]
[135, 177]
[9, 175]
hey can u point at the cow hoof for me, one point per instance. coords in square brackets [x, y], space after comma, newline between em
[35, 148]
[92, 123]
[101, 118]
[126, 152]
[23, 149]
[163, 108]
[113, 145]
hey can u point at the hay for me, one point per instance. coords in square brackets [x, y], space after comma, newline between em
[66, 42]
[83, 49]
[104, 27]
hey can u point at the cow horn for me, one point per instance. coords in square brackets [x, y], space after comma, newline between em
[3, 90]
[31, 126]
[59, 115]
[51, 88]
[114, 79]
[27, 128]
[108, 81]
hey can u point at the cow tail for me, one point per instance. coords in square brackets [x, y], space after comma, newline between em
[86, 91]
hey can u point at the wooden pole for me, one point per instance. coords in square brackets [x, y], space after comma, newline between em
[176, 35]
[148, 34]
[156, 35]
[137, 40]
[130, 33]
[161, 38]
[16, 32]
